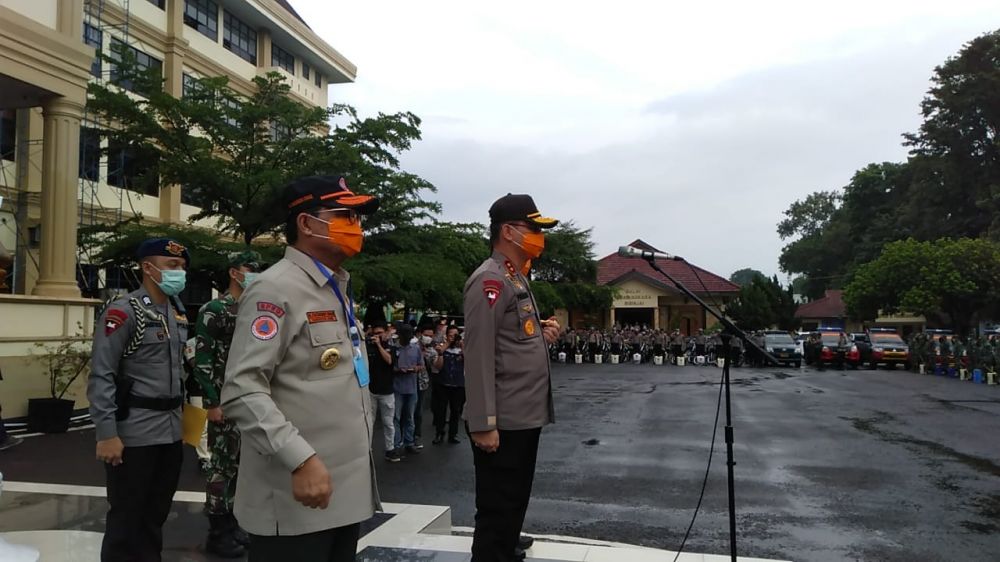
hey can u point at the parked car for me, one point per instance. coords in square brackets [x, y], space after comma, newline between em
[860, 351]
[832, 349]
[783, 348]
[888, 349]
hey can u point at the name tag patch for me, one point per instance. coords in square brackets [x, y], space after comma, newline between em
[264, 328]
[270, 307]
[317, 316]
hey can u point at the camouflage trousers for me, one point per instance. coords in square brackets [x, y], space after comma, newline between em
[220, 488]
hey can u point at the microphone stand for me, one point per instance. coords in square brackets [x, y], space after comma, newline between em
[729, 332]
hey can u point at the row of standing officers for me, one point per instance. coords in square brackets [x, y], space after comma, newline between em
[283, 368]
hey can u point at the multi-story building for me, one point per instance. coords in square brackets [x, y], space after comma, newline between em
[52, 177]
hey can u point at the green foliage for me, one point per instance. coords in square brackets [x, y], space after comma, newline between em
[745, 276]
[950, 281]
[65, 362]
[764, 303]
[565, 275]
[949, 187]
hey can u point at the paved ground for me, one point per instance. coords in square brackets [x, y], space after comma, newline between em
[855, 465]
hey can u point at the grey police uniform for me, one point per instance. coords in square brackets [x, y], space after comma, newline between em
[139, 343]
[507, 378]
[292, 390]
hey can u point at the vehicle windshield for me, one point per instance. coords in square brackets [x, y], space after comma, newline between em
[887, 338]
[779, 339]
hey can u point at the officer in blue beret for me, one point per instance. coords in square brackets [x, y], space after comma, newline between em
[135, 394]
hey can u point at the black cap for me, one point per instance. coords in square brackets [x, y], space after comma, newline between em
[510, 208]
[331, 192]
[163, 247]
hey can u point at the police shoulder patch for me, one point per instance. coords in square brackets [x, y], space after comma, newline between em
[114, 320]
[492, 289]
[264, 328]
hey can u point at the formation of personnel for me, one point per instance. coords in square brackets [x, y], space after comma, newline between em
[969, 352]
[628, 342]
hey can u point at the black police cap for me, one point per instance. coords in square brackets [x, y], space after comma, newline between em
[163, 247]
[511, 207]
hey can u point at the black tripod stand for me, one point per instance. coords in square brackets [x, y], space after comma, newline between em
[730, 331]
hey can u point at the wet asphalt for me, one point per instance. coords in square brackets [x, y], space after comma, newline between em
[832, 465]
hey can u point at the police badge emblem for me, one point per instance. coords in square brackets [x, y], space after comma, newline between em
[329, 359]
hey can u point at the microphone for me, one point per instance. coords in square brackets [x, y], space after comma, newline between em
[632, 252]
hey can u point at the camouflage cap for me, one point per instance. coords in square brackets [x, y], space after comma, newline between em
[248, 258]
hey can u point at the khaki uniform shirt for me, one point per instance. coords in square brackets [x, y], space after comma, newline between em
[291, 388]
[507, 379]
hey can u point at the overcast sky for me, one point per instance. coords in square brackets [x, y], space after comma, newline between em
[691, 125]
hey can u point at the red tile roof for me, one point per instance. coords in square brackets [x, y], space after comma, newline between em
[613, 267]
[830, 306]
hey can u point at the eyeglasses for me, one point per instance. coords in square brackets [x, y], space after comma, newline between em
[351, 215]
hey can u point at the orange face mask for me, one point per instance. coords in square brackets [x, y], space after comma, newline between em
[344, 234]
[526, 268]
[533, 243]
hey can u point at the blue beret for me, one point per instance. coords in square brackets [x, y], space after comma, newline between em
[163, 247]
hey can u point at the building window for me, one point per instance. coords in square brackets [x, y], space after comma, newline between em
[94, 37]
[280, 132]
[8, 134]
[203, 15]
[230, 109]
[239, 38]
[188, 84]
[158, 3]
[319, 80]
[305, 70]
[282, 59]
[90, 154]
[143, 63]
[188, 193]
[128, 171]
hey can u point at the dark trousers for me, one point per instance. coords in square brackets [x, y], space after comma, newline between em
[503, 488]
[331, 545]
[3, 430]
[447, 401]
[140, 493]
[418, 416]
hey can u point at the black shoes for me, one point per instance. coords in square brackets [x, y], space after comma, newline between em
[454, 440]
[414, 449]
[222, 537]
[524, 542]
[438, 439]
[394, 455]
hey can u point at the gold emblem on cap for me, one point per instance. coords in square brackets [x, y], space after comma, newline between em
[329, 359]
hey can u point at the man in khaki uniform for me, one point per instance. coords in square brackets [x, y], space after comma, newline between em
[508, 389]
[296, 386]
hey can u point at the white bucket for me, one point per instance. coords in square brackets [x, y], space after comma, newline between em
[699, 360]
[963, 375]
[680, 361]
[614, 359]
[720, 362]
[637, 358]
[922, 370]
[598, 359]
[657, 360]
[578, 358]
[991, 378]
[562, 356]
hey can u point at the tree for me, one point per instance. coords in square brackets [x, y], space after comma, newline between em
[234, 153]
[949, 281]
[745, 276]
[565, 275]
[764, 303]
[958, 142]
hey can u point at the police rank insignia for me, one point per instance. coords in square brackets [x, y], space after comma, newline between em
[264, 328]
[329, 359]
[492, 289]
[529, 327]
[175, 248]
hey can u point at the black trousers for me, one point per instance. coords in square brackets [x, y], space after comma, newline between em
[447, 403]
[331, 545]
[3, 430]
[418, 412]
[140, 493]
[503, 488]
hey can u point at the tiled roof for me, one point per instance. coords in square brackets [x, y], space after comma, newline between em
[830, 306]
[613, 267]
[284, 4]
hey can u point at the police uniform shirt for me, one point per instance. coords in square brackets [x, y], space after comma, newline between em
[292, 390]
[154, 363]
[507, 380]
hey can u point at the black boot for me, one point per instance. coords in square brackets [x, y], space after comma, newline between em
[221, 541]
[438, 438]
[238, 533]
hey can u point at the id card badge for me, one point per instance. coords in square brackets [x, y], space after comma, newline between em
[360, 368]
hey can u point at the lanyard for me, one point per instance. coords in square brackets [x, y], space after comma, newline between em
[348, 306]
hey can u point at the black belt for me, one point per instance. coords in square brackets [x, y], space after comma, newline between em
[160, 404]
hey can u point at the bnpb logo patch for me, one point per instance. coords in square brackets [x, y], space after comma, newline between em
[264, 328]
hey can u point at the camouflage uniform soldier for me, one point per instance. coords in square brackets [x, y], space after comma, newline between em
[214, 332]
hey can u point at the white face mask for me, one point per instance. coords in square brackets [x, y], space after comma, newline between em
[426, 340]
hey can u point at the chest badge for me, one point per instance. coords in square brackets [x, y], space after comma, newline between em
[329, 359]
[529, 327]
